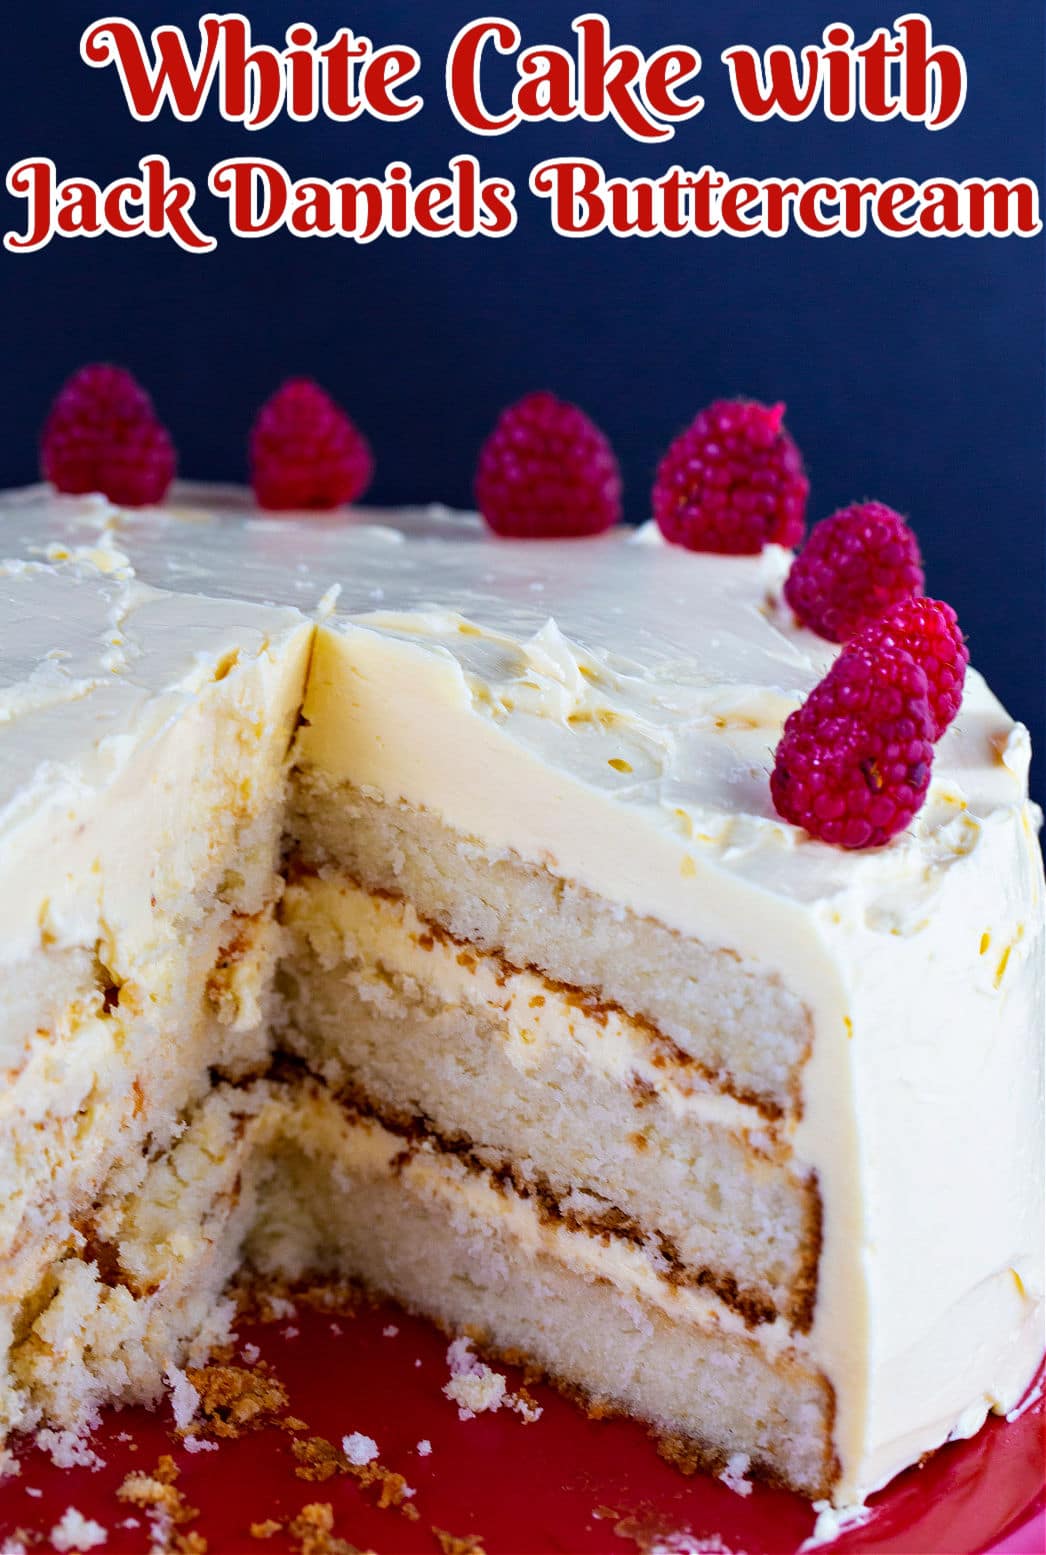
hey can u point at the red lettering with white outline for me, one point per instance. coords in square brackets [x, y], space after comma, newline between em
[79, 208]
[262, 198]
[584, 201]
[598, 81]
[890, 74]
[255, 82]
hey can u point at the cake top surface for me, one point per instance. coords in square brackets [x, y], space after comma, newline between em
[657, 677]
[94, 660]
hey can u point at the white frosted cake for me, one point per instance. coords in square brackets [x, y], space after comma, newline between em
[380, 898]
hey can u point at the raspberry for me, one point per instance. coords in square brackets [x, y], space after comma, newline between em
[854, 566]
[102, 434]
[853, 764]
[928, 629]
[732, 481]
[305, 453]
[546, 470]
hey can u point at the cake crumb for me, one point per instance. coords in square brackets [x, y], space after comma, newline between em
[525, 1405]
[458, 1544]
[184, 1398]
[191, 1543]
[15, 1543]
[424, 1448]
[76, 1532]
[10, 1467]
[233, 1400]
[477, 1389]
[266, 1529]
[165, 1507]
[313, 1531]
[319, 1460]
[358, 1448]
[651, 1537]
[250, 1353]
[389, 1331]
[476, 1392]
[199, 1444]
[735, 1475]
[393, 1489]
[68, 1449]
[473, 1386]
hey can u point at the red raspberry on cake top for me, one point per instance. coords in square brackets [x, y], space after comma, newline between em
[732, 482]
[305, 452]
[854, 566]
[853, 764]
[546, 471]
[102, 434]
[929, 630]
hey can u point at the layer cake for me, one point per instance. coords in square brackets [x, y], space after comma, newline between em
[383, 899]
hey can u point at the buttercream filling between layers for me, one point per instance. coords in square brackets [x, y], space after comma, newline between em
[344, 921]
[502, 1056]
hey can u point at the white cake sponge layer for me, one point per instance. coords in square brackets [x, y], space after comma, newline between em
[449, 1242]
[572, 1096]
[313, 1187]
[747, 1032]
[108, 1320]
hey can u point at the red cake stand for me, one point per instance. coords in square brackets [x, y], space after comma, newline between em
[564, 1483]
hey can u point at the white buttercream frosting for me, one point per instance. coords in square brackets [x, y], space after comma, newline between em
[610, 708]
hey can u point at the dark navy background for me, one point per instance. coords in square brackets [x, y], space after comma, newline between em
[912, 369]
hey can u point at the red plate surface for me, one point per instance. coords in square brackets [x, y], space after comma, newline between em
[563, 1483]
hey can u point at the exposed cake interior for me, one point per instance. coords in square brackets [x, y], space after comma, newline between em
[459, 951]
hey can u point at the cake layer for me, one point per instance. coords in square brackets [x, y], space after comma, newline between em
[505, 728]
[139, 894]
[453, 1242]
[572, 1095]
[741, 1029]
[310, 1186]
[102, 1075]
[148, 1290]
[147, 771]
[104, 1086]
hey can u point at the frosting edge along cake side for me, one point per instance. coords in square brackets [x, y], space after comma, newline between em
[602, 715]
